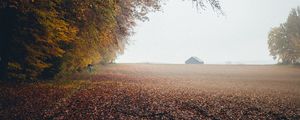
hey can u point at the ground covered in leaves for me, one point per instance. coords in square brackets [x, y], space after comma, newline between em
[145, 91]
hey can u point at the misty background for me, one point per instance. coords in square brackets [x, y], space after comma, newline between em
[179, 31]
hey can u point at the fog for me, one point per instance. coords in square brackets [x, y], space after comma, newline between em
[180, 31]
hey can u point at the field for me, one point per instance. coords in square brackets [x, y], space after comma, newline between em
[150, 91]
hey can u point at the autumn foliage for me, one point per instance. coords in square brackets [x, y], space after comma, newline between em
[41, 39]
[47, 38]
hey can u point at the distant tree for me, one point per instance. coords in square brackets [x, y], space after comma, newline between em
[284, 41]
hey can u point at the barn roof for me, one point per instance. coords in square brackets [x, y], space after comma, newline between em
[197, 59]
[194, 60]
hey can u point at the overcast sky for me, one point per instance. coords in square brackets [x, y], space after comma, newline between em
[179, 32]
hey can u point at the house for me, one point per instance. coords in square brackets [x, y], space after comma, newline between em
[194, 60]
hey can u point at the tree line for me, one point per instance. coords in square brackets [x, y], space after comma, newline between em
[41, 39]
[284, 40]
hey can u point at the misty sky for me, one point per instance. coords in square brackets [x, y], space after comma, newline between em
[180, 31]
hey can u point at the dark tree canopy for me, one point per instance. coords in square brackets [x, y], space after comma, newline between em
[47, 38]
[284, 41]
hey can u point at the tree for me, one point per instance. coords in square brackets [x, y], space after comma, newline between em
[284, 41]
[43, 39]
[33, 36]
